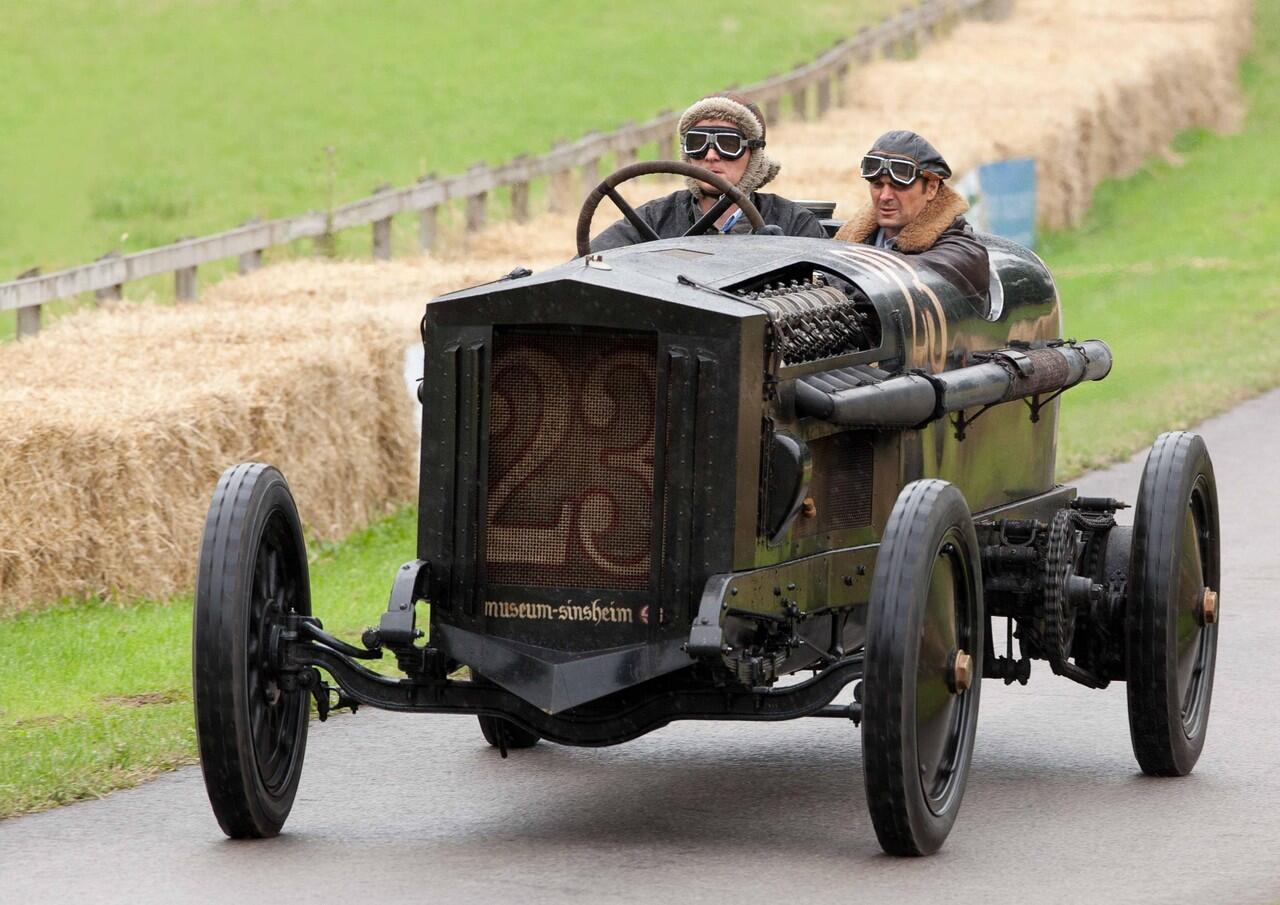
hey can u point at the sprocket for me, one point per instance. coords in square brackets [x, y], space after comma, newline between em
[1056, 624]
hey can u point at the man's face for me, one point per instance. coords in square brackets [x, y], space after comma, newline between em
[897, 205]
[731, 170]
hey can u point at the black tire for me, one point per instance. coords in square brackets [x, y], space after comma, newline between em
[502, 733]
[917, 729]
[492, 727]
[252, 732]
[1170, 655]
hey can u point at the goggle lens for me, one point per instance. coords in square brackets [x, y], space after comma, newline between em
[729, 144]
[696, 143]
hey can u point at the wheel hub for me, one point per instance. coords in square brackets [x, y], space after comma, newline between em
[961, 677]
[1208, 609]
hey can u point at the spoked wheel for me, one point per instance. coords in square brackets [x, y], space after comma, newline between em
[503, 734]
[1171, 620]
[252, 728]
[923, 674]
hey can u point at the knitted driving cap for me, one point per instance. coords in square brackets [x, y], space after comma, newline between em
[903, 143]
[740, 111]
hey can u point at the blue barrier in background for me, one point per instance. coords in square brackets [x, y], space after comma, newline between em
[1002, 199]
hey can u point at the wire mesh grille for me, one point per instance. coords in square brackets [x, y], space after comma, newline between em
[571, 451]
[841, 484]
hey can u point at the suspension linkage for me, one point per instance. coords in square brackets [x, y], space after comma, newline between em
[311, 627]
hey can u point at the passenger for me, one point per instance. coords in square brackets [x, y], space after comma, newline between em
[723, 133]
[913, 212]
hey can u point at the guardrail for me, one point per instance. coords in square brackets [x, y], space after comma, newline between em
[812, 88]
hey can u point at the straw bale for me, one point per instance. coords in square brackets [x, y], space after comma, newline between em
[115, 423]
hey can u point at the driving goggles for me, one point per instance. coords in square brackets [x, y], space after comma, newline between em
[900, 170]
[730, 144]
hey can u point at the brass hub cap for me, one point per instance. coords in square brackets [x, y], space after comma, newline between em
[961, 672]
[1209, 607]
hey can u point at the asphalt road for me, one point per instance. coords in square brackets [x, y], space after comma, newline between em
[395, 807]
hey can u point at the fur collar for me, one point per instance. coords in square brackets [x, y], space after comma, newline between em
[921, 233]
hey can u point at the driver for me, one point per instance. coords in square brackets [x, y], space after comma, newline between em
[723, 133]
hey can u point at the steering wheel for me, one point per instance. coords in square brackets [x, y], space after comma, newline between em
[729, 195]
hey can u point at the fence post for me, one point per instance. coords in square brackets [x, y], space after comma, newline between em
[863, 50]
[28, 318]
[590, 170]
[909, 41]
[325, 245]
[842, 86]
[184, 280]
[667, 149]
[109, 293]
[520, 196]
[250, 260]
[921, 31]
[428, 221]
[824, 96]
[625, 156]
[382, 232]
[476, 204]
[184, 284]
[800, 102]
[558, 200]
[773, 106]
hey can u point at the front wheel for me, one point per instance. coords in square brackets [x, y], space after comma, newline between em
[924, 652]
[250, 720]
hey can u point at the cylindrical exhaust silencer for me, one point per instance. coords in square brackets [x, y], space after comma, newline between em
[914, 399]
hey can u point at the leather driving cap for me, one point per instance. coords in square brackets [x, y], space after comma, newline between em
[904, 143]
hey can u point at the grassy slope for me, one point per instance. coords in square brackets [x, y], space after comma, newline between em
[1189, 338]
[128, 123]
[1178, 268]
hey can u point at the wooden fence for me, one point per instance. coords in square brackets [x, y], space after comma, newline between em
[812, 88]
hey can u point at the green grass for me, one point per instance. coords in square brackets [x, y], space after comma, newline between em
[129, 123]
[1175, 268]
[1178, 268]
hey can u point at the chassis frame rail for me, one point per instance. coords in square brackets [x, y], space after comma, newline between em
[617, 718]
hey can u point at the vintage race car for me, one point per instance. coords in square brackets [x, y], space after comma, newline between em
[659, 482]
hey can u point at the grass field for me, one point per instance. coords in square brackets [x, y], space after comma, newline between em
[130, 123]
[1175, 268]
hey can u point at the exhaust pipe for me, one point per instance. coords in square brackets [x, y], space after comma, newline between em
[912, 400]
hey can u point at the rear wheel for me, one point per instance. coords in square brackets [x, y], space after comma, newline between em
[501, 733]
[1171, 620]
[505, 734]
[251, 725]
[923, 668]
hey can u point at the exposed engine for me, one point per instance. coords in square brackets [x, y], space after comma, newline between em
[815, 314]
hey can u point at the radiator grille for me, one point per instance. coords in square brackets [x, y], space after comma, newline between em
[571, 450]
[841, 484]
